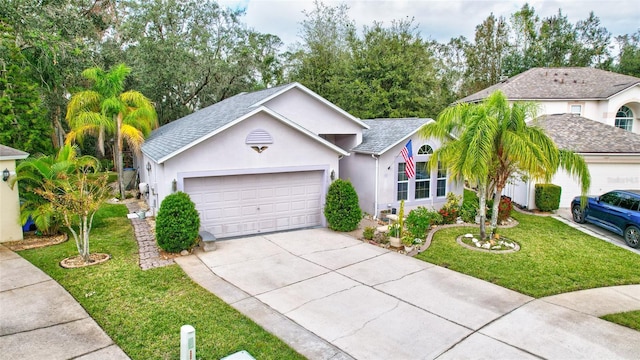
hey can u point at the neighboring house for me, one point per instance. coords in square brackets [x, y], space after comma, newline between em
[263, 161]
[377, 169]
[612, 154]
[583, 108]
[10, 225]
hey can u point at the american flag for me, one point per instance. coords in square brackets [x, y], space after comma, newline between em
[407, 155]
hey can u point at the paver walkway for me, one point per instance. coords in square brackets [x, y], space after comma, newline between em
[147, 247]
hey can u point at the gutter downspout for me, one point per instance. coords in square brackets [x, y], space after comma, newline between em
[375, 196]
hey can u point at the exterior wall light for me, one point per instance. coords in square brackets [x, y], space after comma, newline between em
[148, 166]
[5, 174]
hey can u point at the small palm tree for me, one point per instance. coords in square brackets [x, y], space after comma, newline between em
[489, 142]
[106, 110]
[32, 174]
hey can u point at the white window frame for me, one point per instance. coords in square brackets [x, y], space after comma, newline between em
[624, 122]
[573, 107]
[441, 178]
[399, 173]
[421, 157]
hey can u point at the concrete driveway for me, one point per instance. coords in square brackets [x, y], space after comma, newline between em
[564, 215]
[330, 296]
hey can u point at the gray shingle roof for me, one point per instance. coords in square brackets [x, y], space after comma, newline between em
[582, 135]
[386, 133]
[176, 135]
[559, 83]
[8, 153]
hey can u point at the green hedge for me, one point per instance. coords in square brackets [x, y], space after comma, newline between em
[548, 197]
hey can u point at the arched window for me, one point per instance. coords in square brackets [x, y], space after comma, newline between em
[624, 118]
[425, 150]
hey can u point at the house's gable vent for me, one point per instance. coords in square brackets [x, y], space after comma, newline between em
[259, 136]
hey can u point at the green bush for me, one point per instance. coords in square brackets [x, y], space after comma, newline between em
[451, 209]
[177, 223]
[548, 197]
[368, 232]
[420, 220]
[468, 212]
[341, 208]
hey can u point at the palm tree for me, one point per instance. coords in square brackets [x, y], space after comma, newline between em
[489, 142]
[106, 110]
[32, 174]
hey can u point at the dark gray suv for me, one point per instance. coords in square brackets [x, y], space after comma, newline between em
[617, 211]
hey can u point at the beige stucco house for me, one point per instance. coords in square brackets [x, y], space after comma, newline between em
[10, 226]
[263, 161]
[593, 112]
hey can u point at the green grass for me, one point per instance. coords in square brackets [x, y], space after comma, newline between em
[554, 258]
[142, 311]
[629, 319]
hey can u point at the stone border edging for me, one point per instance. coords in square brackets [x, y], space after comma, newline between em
[427, 241]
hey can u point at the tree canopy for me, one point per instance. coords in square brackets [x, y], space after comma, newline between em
[186, 54]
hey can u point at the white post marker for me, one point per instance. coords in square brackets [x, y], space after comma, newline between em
[187, 342]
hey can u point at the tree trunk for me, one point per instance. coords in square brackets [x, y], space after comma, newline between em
[494, 209]
[482, 210]
[101, 142]
[84, 232]
[58, 131]
[118, 155]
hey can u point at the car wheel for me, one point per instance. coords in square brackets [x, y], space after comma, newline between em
[632, 236]
[578, 214]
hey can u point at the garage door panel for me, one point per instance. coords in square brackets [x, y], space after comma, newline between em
[248, 204]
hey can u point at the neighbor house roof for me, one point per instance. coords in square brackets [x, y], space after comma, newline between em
[559, 84]
[9, 153]
[180, 135]
[384, 134]
[582, 135]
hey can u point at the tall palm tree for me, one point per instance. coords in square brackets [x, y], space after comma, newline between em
[106, 110]
[487, 143]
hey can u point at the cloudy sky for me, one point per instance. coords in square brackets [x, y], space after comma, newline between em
[437, 19]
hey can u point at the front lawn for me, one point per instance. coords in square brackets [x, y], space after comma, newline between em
[553, 258]
[142, 311]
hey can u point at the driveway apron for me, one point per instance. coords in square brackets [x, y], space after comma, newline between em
[342, 298]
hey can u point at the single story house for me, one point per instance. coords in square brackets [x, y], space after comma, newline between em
[386, 182]
[10, 225]
[582, 110]
[256, 162]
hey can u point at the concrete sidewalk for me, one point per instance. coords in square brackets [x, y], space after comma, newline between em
[330, 296]
[39, 319]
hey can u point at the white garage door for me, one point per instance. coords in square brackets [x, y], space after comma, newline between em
[604, 177]
[250, 204]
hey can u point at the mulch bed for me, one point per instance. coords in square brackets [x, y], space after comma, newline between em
[33, 241]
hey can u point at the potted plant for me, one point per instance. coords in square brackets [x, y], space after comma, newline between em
[395, 233]
[408, 242]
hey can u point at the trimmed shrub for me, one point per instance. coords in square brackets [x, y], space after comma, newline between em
[419, 221]
[177, 223]
[548, 197]
[341, 207]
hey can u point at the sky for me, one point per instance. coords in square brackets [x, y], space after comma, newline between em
[438, 20]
